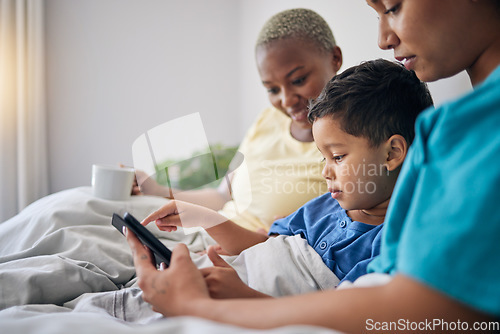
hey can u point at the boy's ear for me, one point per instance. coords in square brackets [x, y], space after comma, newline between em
[336, 58]
[397, 148]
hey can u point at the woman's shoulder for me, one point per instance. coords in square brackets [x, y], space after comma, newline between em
[467, 124]
[270, 117]
[477, 108]
[270, 120]
[483, 97]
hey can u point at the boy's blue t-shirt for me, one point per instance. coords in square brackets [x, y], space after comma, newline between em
[443, 222]
[346, 246]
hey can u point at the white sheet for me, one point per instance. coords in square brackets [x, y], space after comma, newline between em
[62, 264]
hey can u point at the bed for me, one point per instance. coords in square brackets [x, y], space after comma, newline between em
[63, 267]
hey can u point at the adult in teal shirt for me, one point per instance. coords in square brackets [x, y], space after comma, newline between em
[444, 226]
[441, 236]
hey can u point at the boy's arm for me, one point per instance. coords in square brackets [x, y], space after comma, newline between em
[230, 236]
[403, 302]
[233, 238]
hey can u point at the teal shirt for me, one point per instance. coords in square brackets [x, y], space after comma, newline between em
[443, 223]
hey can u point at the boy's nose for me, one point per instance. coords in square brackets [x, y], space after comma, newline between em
[327, 173]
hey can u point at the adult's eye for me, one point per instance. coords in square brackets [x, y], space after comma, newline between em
[299, 81]
[273, 91]
[393, 9]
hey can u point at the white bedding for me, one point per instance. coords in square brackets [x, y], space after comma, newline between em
[64, 267]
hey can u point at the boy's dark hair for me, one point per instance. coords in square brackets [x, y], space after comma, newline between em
[374, 100]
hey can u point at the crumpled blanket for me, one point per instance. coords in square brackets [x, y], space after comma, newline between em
[61, 256]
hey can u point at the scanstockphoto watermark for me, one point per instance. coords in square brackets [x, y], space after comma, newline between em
[432, 325]
[363, 169]
[292, 177]
[288, 178]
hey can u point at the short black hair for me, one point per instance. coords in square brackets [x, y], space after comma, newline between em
[375, 100]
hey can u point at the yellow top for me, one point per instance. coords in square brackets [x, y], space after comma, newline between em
[279, 174]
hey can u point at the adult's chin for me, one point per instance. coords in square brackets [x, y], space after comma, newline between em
[301, 124]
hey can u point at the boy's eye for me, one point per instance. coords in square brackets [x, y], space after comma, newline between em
[338, 158]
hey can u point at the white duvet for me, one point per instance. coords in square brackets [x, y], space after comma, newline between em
[64, 268]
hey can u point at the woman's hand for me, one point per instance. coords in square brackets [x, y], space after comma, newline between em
[183, 214]
[177, 290]
[136, 190]
[223, 281]
[145, 185]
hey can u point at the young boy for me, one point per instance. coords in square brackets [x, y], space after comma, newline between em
[363, 124]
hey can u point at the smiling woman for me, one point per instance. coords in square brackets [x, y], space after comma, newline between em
[23, 161]
[296, 55]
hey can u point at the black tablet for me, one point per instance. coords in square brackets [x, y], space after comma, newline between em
[160, 251]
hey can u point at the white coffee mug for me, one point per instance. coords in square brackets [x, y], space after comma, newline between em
[112, 182]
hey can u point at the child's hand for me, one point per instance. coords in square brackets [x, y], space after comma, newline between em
[223, 281]
[218, 249]
[183, 214]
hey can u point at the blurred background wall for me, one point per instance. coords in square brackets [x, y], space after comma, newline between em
[117, 68]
